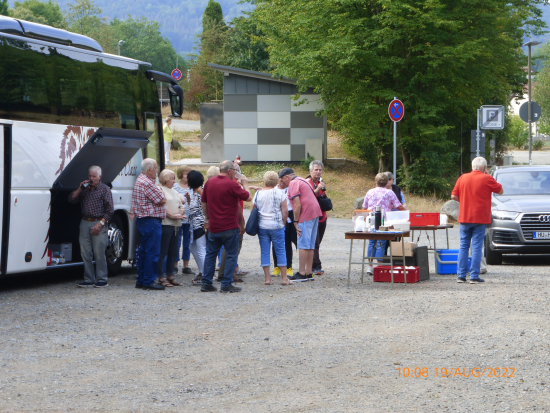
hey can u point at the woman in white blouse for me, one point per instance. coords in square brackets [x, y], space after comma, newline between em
[273, 213]
[170, 229]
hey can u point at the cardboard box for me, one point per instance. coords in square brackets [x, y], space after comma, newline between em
[420, 260]
[398, 252]
[65, 248]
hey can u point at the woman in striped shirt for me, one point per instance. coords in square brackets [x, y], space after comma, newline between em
[196, 220]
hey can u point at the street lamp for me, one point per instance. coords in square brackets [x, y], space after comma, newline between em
[122, 41]
[529, 44]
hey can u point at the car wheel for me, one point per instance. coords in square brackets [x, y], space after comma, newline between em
[115, 245]
[493, 258]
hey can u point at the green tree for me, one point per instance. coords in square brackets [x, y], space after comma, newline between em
[39, 12]
[83, 17]
[4, 7]
[442, 58]
[517, 134]
[206, 84]
[143, 41]
[213, 15]
[245, 47]
[541, 93]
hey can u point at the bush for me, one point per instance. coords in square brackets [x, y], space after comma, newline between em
[538, 145]
[305, 162]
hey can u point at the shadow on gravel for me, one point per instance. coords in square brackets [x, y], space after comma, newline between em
[29, 280]
[526, 260]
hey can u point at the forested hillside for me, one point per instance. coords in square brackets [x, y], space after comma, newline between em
[180, 20]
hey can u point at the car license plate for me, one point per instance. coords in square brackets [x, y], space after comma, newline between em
[541, 235]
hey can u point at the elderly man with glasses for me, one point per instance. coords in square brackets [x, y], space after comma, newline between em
[224, 222]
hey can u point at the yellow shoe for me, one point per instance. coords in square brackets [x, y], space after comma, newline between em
[276, 272]
[289, 272]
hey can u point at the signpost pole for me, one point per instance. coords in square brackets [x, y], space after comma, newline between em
[478, 133]
[395, 150]
[529, 108]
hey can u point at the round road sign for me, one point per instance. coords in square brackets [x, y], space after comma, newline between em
[535, 111]
[396, 110]
[176, 74]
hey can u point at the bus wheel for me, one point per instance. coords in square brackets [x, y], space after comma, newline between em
[115, 245]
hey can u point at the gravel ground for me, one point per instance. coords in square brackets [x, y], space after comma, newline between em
[315, 346]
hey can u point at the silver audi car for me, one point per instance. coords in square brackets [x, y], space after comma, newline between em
[521, 215]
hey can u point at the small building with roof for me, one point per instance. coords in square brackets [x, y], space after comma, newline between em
[259, 121]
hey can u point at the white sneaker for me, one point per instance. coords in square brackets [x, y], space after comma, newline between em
[483, 271]
[370, 271]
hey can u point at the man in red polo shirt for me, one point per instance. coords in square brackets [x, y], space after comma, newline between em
[220, 204]
[474, 191]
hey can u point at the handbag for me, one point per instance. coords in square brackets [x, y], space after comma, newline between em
[324, 201]
[197, 233]
[253, 224]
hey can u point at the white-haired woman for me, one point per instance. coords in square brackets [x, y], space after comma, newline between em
[273, 213]
[167, 131]
[170, 229]
[386, 200]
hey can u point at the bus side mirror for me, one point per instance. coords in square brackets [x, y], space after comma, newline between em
[176, 100]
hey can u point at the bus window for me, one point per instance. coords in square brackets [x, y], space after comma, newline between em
[55, 84]
[153, 150]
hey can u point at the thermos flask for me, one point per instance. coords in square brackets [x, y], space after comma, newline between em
[377, 218]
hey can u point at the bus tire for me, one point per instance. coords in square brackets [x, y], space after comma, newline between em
[115, 245]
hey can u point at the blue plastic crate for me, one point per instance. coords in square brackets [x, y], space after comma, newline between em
[448, 264]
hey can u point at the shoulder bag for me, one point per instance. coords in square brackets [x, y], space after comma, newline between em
[324, 201]
[253, 224]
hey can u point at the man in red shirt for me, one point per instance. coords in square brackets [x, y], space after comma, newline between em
[474, 191]
[220, 203]
[319, 187]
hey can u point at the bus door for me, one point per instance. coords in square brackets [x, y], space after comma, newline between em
[152, 122]
[5, 159]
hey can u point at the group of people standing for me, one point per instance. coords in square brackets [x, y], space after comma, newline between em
[204, 219]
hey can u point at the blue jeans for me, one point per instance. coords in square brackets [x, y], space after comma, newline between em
[379, 247]
[150, 232]
[214, 241]
[266, 237]
[184, 233]
[474, 233]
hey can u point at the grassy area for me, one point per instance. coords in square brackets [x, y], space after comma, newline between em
[344, 183]
[187, 115]
[186, 136]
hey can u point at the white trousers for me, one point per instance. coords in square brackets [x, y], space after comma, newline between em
[198, 249]
[167, 147]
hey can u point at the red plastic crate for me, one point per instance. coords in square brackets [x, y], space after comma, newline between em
[422, 219]
[382, 273]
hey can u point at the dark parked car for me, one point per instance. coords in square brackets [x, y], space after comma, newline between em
[521, 215]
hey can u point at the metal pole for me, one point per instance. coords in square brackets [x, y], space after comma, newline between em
[478, 133]
[395, 150]
[529, 109]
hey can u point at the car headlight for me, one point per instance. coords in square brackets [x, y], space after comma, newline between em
[511, 216]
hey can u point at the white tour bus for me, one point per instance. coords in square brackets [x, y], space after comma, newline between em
[64, 106]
